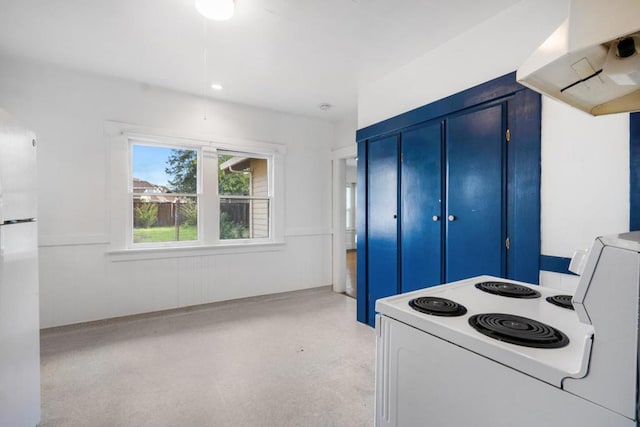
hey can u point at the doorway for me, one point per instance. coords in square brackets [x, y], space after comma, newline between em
[344, 216]
[351, 235]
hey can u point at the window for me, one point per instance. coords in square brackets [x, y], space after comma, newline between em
[350, 206]
[164, 194]
[169, 192]
[243, 189]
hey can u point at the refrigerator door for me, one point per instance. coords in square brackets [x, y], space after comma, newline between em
[19, 326]
[18, 180]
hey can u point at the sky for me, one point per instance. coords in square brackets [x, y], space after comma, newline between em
[149, 163]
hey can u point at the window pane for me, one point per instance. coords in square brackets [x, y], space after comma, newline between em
[242, 175]
[159, 175]
[164, 218]
[244, 219]
[163, 170]
[348, 207]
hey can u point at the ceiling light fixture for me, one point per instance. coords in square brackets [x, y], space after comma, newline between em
[218, 10]
[216, 86]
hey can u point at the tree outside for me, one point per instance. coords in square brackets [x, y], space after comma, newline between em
[233, 184]
[182, 166]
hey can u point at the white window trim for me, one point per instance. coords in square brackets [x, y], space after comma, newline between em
[121, 242]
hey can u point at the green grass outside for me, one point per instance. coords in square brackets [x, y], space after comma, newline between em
[164, 234]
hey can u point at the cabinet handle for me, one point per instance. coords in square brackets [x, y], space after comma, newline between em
[452, 218]
[435, 218]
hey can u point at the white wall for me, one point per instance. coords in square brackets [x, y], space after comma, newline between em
[585, 160]
[491, 49]
[346, 132]
[79, 281]
[585, 181]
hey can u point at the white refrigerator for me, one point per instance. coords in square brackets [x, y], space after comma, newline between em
[19, 305]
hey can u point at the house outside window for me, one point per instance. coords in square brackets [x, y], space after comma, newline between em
[244, 196]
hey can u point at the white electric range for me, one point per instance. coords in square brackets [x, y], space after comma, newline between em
[486, 351]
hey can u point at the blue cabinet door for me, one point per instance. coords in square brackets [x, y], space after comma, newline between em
[421, 216]
[382, 224]
[475, 228]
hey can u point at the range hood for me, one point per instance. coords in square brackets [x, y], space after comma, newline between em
[592, 61]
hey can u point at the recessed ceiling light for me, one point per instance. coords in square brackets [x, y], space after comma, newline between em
[216, 86]
[218, 10]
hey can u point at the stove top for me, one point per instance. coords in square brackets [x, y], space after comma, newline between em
[550, 363]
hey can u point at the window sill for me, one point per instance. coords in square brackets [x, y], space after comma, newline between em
[136, 254]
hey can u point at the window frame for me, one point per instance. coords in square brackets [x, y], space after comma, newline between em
[120, 212]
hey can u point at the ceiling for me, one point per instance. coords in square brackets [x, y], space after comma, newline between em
[286, 55]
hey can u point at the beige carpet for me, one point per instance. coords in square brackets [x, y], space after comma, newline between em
[294, 359]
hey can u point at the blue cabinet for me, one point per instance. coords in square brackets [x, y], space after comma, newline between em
[382, 222]
[475, 186]
[449, 222]
[422, 207]
[445, 196]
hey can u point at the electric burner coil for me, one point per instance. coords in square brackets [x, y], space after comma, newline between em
[518, 330]
[507, 289]
[563, 301]
[438, 306]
